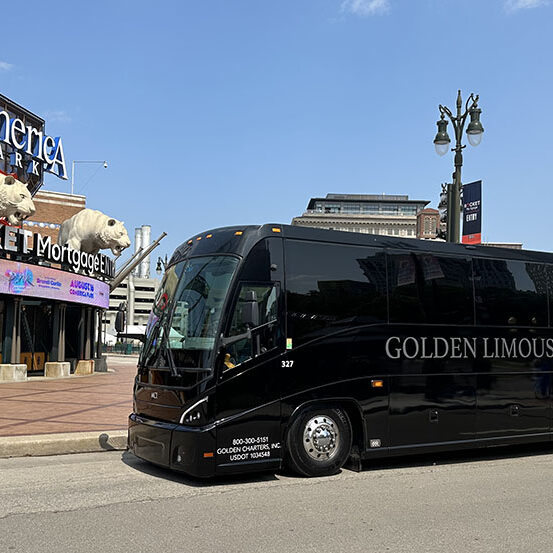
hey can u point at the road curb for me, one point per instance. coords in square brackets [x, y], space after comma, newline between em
[62, 444]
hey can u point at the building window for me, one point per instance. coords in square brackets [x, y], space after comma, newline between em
[332, 208]
[427, 225]
[351, 208]
[408, 211]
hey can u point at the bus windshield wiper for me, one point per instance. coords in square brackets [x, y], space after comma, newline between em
[167, 349]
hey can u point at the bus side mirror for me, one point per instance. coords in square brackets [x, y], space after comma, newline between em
[250, 310]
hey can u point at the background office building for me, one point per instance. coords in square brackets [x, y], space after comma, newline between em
[136, 292]
[137, 308]
[382, 214]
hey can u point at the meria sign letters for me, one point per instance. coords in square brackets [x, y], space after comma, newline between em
[32, 148]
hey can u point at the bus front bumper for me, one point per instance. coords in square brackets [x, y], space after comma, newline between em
[184, 448]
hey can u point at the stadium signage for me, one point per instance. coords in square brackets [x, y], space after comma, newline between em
[23, 279]
[32, 148]
[411, 347]
[23, 242]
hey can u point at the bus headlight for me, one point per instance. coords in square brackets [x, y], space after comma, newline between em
[195, 414]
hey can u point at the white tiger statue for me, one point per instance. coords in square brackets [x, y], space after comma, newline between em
[16, 203]
[90, 231]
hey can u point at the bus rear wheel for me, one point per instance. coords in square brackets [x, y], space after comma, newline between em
[319, 441]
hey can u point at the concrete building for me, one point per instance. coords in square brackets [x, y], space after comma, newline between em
[144, 293]
[383, 214]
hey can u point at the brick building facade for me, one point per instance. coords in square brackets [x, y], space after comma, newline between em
[428, 223]
[52, 208]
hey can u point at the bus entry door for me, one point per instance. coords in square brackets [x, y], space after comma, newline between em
[248, 389]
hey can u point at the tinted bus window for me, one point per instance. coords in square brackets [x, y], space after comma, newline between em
[332, 285]
[429, 288]
[263, 340]
[549, 282]
[510, 293]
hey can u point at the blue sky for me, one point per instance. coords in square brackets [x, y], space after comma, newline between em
[217, 112]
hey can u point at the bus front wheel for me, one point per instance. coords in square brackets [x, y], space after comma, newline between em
[319, 441]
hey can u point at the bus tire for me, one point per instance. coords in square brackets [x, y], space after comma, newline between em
[319, 441]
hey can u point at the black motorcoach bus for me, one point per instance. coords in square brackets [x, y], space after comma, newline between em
[271, 345]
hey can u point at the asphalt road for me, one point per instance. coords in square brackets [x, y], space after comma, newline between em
[111, 502]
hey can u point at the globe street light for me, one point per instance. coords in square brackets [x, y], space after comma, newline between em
[161, 265]
[442, 142]
[159, 268]
[105, 163]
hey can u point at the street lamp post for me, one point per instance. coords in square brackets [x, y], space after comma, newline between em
[104, 162]
[161, 265]
[441, 143]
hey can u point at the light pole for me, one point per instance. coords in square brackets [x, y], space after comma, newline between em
[105, 163]
[161, 265]
[441, 143]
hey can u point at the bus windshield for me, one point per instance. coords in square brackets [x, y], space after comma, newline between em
[185, 317]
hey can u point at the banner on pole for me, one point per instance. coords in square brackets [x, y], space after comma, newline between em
[472, 213]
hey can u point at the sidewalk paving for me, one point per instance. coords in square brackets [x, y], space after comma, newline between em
[68, 415]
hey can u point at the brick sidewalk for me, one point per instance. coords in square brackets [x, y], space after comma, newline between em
[99, 402]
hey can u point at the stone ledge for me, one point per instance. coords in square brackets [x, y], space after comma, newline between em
[62, 444]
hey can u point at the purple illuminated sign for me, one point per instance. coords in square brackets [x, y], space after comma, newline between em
[36, 281]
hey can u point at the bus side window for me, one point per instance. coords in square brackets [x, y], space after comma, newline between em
[264, 334]
[430, 288]
[510, 292]
[333, 286]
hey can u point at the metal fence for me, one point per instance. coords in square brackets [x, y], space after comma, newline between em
[126, 349]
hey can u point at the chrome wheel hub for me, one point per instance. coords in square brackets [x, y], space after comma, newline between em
[321, 438]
